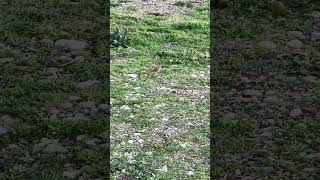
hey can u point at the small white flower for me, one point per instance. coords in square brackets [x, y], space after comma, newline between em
[183, 145]
[157, 106]
[189, 124]
[149, 153]
[163, 168]
[140, 141]
[125, 107]
[129, 155]
[123, 170]
[165, 119]
[190, 173]
[130, 141]
[133, 76]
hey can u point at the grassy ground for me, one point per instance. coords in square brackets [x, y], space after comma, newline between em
[49, 128]
[265, 82]
[160, 120]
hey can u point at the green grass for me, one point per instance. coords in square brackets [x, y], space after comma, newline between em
[141, 106]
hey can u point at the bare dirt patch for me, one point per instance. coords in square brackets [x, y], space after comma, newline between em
[155, 7]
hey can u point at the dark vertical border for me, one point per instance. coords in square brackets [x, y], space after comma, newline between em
[211, 82]
[107, 81]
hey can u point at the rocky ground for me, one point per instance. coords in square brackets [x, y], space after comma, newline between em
[52, 98]
[265, 91]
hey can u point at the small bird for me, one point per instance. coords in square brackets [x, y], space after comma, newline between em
[278, 9]
[156, 68]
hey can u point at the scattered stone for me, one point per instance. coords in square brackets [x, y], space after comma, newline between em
[52, 77]
[251, 92]
[74, 98]
[295, 95]
[315, 14]
[71, 44]
[310, 79]
[6, 60]
[53, 110]
[271, 92]
[87, 84]
[238, 172]
[64, 59]
[270, 122]
[67, 105]
[53, 117]
[267, 132]
[267, 45]
[313, 156]
[309, 170]
[301, 125]
[88, 105]
[315, 36]
[16, 53]
[7, 50]
[272, 99]
[92, 141]
[42, 144]
[81, 138]
[297, 44]
[245, 80]
[47, 42]
[296, 112]
[229, 45]
[71, 173]
[229, 116]
[3, 131]
[52, 71]
[8, 120]
[38, 147]
[80, 53]
[55, 148]
[295, 35]
[310, 109]
[68, 165]
[79, 59]
[78, 117]
[47, 141]
[13, 146]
